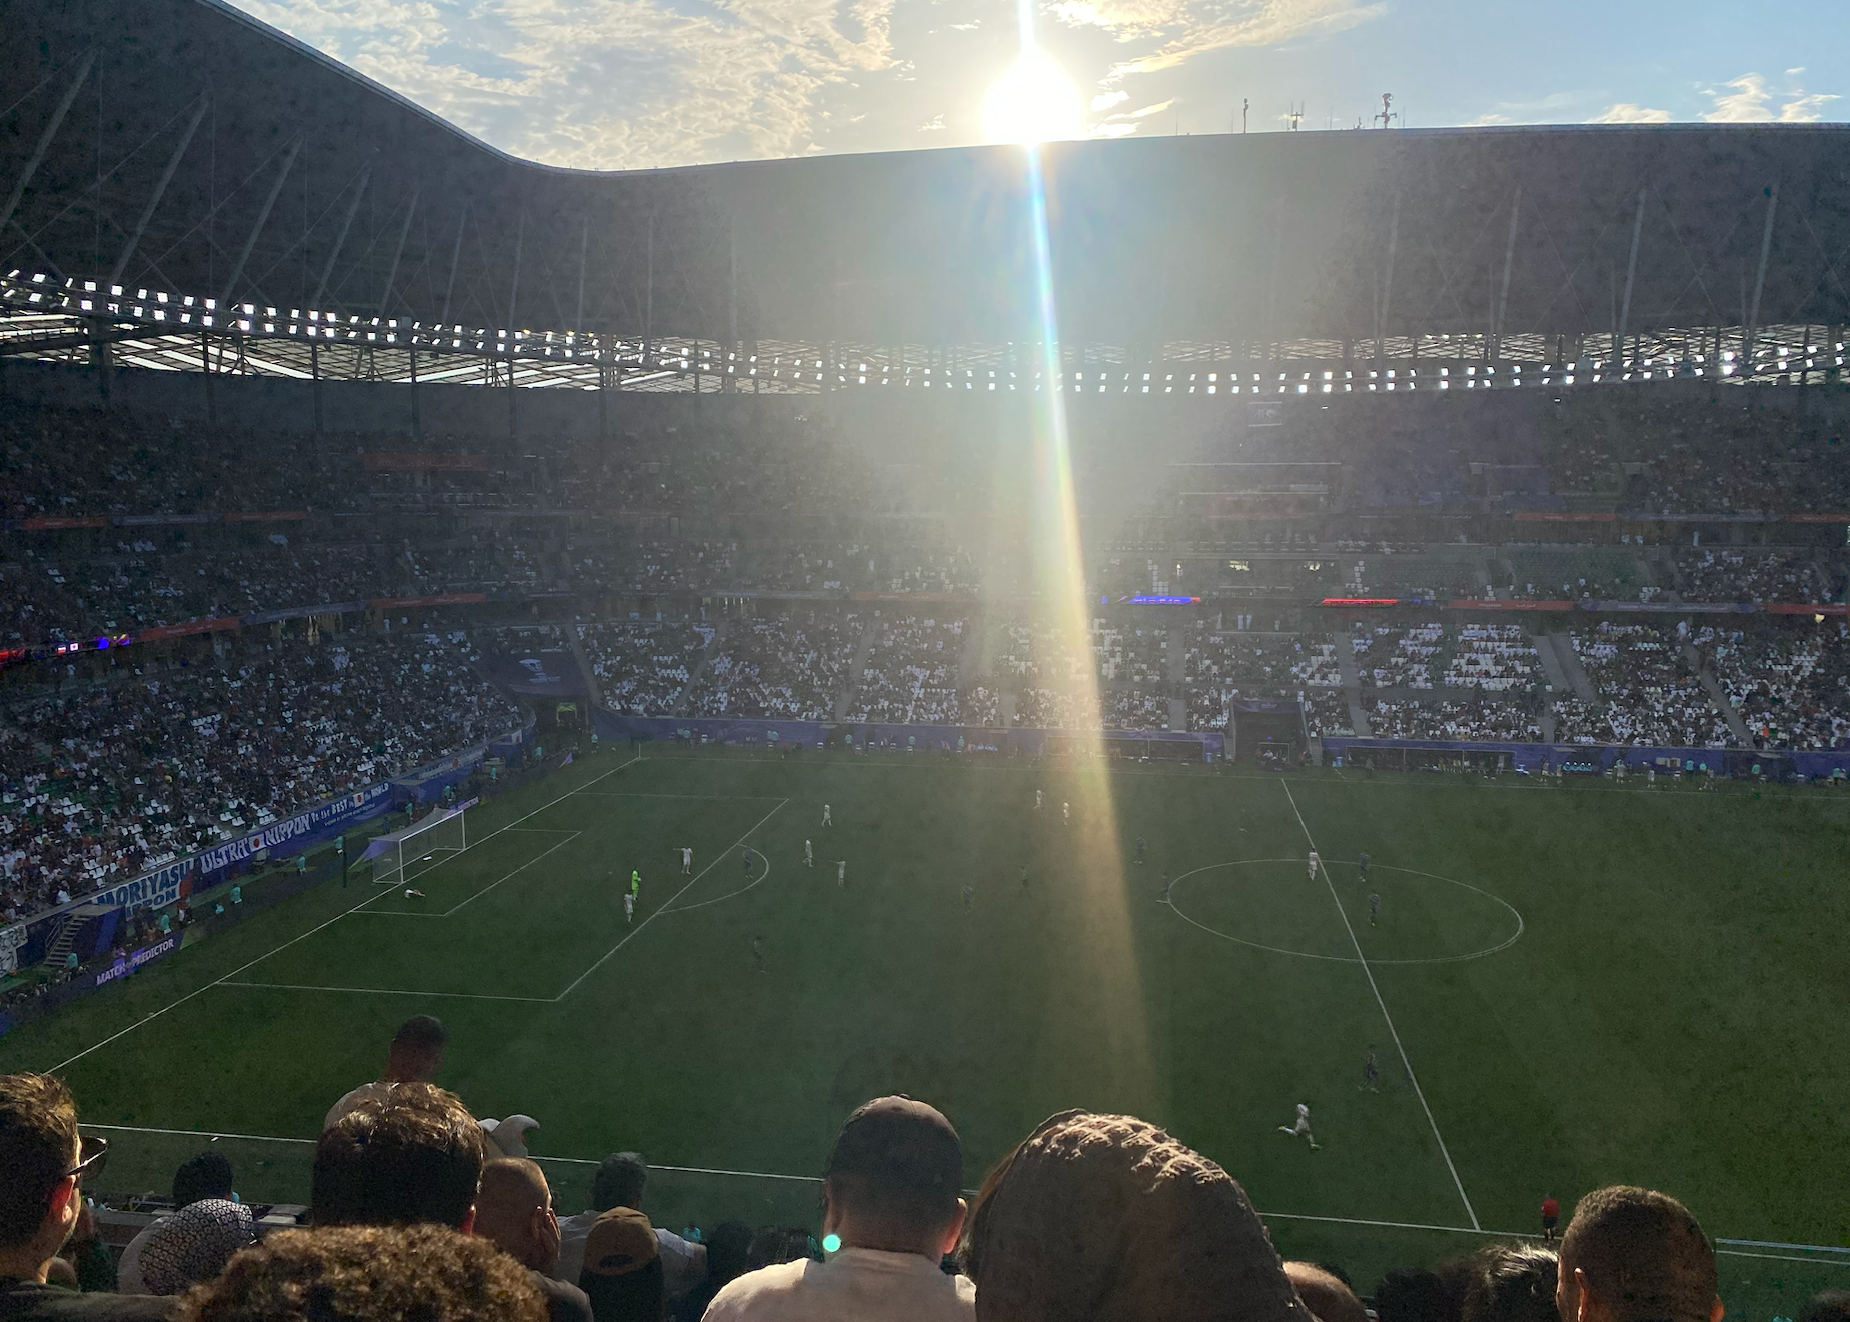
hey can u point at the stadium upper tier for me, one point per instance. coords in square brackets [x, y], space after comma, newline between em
[319, 190]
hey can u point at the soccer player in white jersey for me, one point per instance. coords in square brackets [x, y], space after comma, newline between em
[687, 860]
[1066, 813]
[1301, 1127]
[629, 906]
[809, 855]
[1037, 801]
[826, 820]
[1315, 863]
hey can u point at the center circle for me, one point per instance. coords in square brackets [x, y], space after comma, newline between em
[1406, 888]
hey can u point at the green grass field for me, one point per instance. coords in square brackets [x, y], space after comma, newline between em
[1592, 983]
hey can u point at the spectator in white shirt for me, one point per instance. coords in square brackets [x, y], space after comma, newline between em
[415, 1056]
[890, 1198]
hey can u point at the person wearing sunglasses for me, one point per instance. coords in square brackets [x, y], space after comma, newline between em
[43, 1165]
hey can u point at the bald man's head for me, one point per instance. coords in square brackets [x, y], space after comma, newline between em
[514, 1209]
[1636, 1255]
[1324, 1293]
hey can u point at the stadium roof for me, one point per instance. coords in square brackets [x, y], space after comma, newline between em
[184, 146]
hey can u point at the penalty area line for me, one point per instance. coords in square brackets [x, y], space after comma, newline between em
[671, 907]
[654, 914]
[205, 987]
[1394, 1032]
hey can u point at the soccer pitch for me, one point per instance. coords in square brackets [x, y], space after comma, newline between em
[1566, 986]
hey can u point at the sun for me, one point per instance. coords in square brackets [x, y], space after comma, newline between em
[1032, 102]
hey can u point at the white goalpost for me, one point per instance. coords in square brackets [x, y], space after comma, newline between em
[401, 855]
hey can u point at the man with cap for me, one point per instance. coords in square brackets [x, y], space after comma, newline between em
[622, 1274]
[618, 1183]
[891, 1211]
[415, 1056]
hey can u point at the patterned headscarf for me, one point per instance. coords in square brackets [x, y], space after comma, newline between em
[194, 1244]
[1108, 1218]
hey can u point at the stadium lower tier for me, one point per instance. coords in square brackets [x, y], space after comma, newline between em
[105, 778]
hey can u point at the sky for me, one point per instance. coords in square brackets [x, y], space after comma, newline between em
[640, 84]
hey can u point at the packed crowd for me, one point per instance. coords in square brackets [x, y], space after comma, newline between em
[641, 667]
[788, 666]
[1725, 574]
[1225, 665]
[770, 465]
[771, 564]
[105, 781]
[1472, 718]
[1791, 689]
[913, 673]
[1396, 657]
[49, 596]
[1648, 694]
[1493, 657]
[1670, 454]
[416, 1209]
[64, 463]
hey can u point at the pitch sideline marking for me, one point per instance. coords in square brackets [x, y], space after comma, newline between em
[1349, 927]
[1345, 959]
[390, 991]
[637, 794]
[812, 1179]
[153, 1015]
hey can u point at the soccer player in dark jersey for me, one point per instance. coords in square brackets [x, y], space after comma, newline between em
[1364, 865]
[1140, 849]
[1374, 909]
[1371, 1071]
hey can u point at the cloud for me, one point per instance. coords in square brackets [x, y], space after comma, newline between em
[1805, 109]
[937, 122]
[1106, 100]
[701, 79]
[1625, 112]
[1750, 102]
[1187, 28]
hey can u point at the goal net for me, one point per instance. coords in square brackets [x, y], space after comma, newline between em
[402, 855]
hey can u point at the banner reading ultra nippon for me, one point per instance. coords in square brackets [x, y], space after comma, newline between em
[163, 886]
